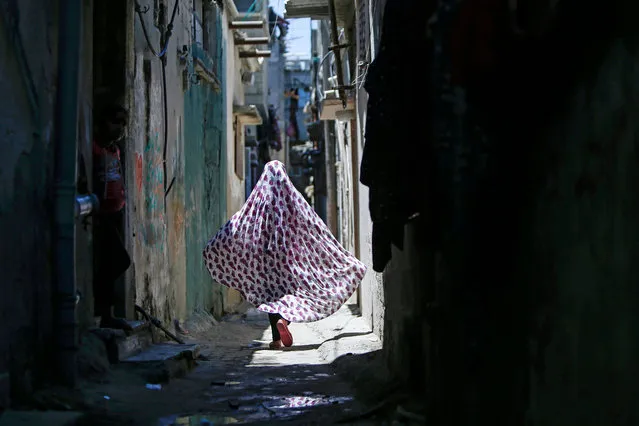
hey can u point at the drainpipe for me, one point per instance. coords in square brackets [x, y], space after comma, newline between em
[66, 134]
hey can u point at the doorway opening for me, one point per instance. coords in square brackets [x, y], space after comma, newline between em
[109, 90]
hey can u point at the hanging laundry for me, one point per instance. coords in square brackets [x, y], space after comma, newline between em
[397, 132]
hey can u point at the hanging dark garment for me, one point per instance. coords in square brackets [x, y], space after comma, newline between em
[396, 139]
[275, 141]
[263, 154]
[293, 128]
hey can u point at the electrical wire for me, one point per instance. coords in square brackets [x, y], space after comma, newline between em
[166, 129]
[319, 69]
[167, 36]
[139, 10]
[360, 79]
[250, 9]
[164, 39]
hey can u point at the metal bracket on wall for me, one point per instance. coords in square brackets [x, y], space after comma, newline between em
[338, 58]
[340, 46]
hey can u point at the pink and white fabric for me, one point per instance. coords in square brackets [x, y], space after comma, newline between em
[281, 256]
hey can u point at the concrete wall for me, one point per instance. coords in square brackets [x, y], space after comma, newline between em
[536, 319]
[28, 76]
[371, 297]
[235, 195]
[371, 291]
[28, 61]
[205, 167]
[167, 234]
[553, 312]
[579, 246]
[156, 228]
[155, 222]
[235, 191]
[345, 188]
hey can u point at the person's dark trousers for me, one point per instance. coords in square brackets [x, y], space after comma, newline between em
[111, 260]
[273, 319]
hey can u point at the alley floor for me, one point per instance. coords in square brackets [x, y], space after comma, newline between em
[237, 379]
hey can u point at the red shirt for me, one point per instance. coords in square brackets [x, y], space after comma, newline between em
[109, 181]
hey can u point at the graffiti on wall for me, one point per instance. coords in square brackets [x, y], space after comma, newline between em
[149, 180]
[153, 176]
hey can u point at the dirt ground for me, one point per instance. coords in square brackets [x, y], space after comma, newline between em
[332, 374]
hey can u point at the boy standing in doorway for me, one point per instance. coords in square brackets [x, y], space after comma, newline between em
[111, 259]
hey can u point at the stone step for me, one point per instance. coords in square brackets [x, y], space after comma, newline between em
[122, 345]
[163, 361]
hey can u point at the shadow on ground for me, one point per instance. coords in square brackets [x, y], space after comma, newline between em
[318, 345]
[237, 381]
[294, 394]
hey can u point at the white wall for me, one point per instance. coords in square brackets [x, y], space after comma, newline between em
[235, 195]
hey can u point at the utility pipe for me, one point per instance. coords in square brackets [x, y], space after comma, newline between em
[66, 135]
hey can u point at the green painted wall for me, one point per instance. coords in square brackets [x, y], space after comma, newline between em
[205, 158]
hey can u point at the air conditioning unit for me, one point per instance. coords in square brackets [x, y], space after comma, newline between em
[248, 78]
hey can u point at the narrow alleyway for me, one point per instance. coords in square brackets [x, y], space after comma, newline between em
[239, 380]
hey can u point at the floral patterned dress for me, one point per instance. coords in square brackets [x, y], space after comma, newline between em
[281, 256]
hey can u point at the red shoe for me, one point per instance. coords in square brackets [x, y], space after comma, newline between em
[285, 335]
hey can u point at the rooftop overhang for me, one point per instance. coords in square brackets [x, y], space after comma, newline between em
[248, 115]
[245, 41]
[255, 53]
[246, 21]
[239, 23]
[318, 9]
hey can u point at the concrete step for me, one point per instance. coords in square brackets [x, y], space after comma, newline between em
[163, 361]
[122, 345]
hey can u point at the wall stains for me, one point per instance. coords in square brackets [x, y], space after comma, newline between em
[150, 181]
[153, 176]
[138, 171]
[180, 217]
[152, 235]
